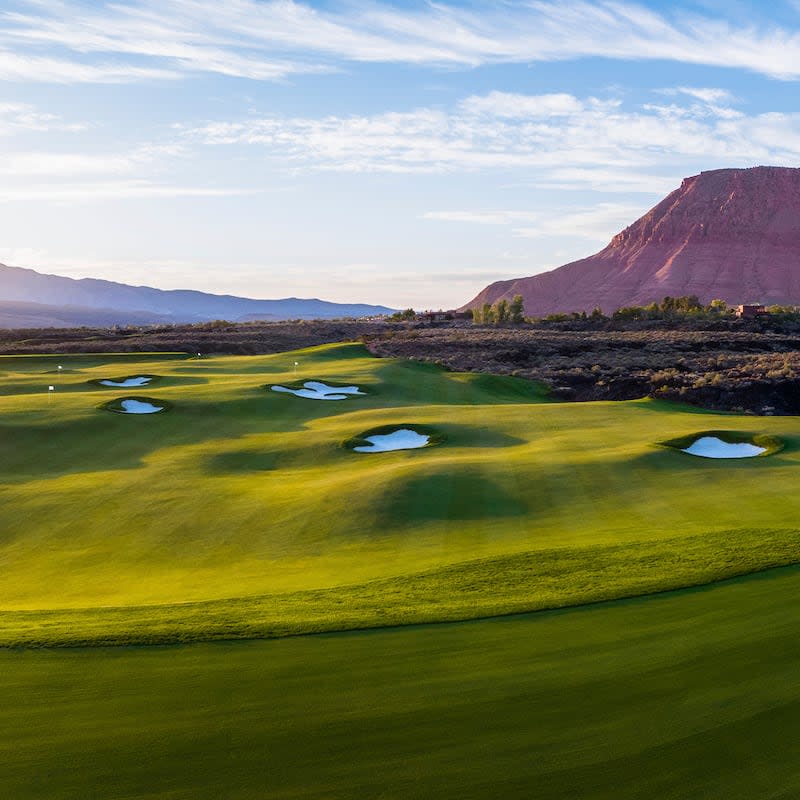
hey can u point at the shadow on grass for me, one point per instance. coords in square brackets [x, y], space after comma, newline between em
[463, 493]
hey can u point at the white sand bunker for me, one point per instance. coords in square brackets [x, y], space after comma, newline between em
[712, 447]
[403, 439]
[140, 380]
[139, 407]
[315, 390]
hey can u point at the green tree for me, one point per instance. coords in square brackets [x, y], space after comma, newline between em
[718, 306]
[501, 313]
[487, 314]
[517, 309]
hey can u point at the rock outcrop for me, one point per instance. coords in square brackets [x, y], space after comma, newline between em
[732, 234]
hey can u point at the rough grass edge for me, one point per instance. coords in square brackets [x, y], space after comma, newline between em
[535, 581]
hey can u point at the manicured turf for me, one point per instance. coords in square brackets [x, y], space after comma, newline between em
[687, 695]
[241, 513]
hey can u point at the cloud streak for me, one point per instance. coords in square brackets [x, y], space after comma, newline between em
[276, 39]
[550, 139]
[595, 224]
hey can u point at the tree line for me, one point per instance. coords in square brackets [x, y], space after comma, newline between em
[500, 313]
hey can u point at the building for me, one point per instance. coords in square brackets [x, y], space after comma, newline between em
[750, 310]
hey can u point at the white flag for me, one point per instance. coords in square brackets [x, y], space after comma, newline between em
[51, 388]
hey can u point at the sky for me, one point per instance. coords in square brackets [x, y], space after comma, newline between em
[405, 154]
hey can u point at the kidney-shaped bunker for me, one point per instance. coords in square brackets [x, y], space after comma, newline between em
[136, 405]
[394, 437]
[726, 444]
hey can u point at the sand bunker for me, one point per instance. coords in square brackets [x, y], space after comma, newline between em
[139, 407]
[140, 380]
[712, 447]
[403, 439]
[315, 390]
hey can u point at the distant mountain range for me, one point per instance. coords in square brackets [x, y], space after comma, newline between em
[732, 234]
[32, 299]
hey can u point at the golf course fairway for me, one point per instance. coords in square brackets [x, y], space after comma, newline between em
[693, 694]
[239, 512]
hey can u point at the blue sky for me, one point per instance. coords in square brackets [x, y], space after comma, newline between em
[403, 153]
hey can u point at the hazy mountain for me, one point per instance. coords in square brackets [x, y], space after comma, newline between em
[732, 234]
[123, 304]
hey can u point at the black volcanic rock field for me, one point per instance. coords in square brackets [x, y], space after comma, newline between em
[731, 370]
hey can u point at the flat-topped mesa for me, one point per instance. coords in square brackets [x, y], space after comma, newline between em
[732, 234]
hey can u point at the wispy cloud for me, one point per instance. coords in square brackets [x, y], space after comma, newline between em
[597, 223]
[484, 217]
[88, 191]
[273, 39]
[559, 139]
[24, 66]
[22, 117]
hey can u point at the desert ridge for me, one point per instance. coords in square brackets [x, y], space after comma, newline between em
[728, 234]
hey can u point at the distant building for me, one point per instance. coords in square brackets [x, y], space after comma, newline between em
[750, 310]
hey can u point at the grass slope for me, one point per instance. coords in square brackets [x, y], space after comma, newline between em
[692, 694]
[240, 513]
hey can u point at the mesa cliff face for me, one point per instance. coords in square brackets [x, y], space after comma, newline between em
[732, 234]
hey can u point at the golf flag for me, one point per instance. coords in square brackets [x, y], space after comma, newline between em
[51, 388]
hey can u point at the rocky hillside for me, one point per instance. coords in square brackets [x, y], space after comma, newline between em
[732, 234]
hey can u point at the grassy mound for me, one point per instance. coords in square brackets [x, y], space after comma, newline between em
[771, 444]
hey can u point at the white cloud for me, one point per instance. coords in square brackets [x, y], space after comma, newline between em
[21, 117]
[506, 105]
[568, 141]
[26, 67]
[597, 223]
[483, 217]
[60, 165]
[710, 96]
[273, 39]
[103, 190]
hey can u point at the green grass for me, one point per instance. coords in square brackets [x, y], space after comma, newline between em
[687, 695]
[240, 514]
